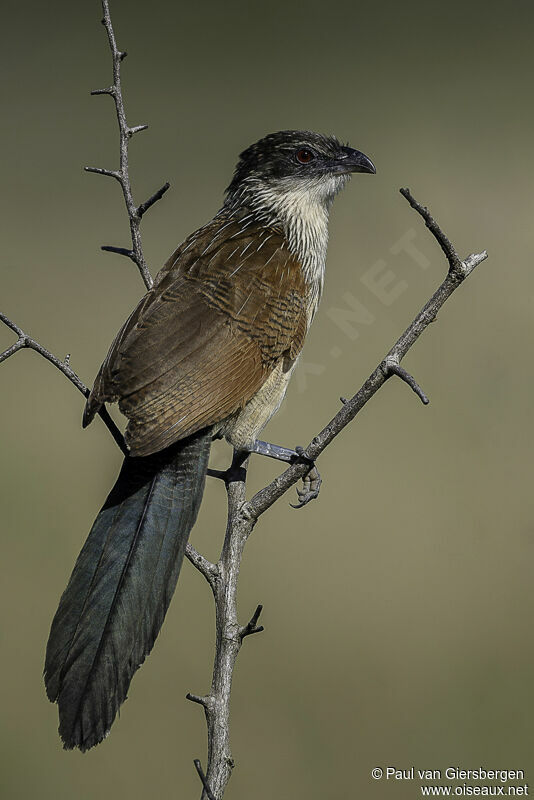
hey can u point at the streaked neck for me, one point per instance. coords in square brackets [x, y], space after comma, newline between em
[300, 209]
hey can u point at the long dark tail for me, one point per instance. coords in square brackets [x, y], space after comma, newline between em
[118, 594]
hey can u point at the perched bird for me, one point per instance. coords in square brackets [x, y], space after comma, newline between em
[207, 352]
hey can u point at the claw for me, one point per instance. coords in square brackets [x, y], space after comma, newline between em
[311, 484]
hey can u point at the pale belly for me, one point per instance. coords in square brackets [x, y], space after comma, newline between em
[244, 428]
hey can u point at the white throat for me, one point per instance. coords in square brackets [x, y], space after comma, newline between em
[302, 207]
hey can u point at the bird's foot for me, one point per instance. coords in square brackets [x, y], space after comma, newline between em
[311, 482]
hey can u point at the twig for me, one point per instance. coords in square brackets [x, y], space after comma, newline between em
[195, 698]
[252, 626]
[204, 566]
[404, 375]
[143, 208]
[122, 175]
[202, 777]
[63, 366]
[122, 251]
[443, 240]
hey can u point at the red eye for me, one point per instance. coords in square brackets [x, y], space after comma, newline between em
[304, 156]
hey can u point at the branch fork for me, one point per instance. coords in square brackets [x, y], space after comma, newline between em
[460, 269]
[252, 626]
[206, 568]
[392, 367]
[198, 767]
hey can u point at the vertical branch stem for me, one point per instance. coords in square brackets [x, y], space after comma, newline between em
[229, 636]
[125, 133]
[122, 175]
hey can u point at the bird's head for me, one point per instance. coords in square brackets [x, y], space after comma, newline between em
[294, 164]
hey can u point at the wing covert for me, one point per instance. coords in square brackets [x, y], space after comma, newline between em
[226, 307]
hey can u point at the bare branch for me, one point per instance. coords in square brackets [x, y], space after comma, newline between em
[229, 634]
[109, 90]
[63, 366]
[472, 261]
[252, 626]
[443, 241]
[202, 777]
[136, 129]
[195, 698]
[135, 253]
[461, 268]
[102, 171]
[205, 567]
[395, 369]
[458, 271]
[143, 208]
[104, 415]
[122, 251]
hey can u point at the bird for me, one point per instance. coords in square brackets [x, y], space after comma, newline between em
[207, 353]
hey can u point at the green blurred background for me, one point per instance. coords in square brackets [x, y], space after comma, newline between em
[398, 607]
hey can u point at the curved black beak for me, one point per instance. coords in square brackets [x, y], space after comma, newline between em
[354, 161]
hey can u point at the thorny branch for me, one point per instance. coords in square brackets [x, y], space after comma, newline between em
[222, 576]
[457, 273]
[135, 214]
[64, 366]
[122, 175]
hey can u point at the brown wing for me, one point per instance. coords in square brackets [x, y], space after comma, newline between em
[227, 306]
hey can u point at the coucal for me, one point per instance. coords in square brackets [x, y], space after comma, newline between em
[207, 352]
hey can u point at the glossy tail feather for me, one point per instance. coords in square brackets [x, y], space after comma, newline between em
[114, 605]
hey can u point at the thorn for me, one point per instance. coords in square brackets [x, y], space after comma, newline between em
[122, 251]
[67, 360]
[143, 208]
[195, 698]
[100, 171]
[395, 369]
[252, 626]
[122, 54]
[108, 90]
[343, 400]
[136, 129]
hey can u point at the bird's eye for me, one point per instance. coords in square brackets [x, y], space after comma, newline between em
[304, 156]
